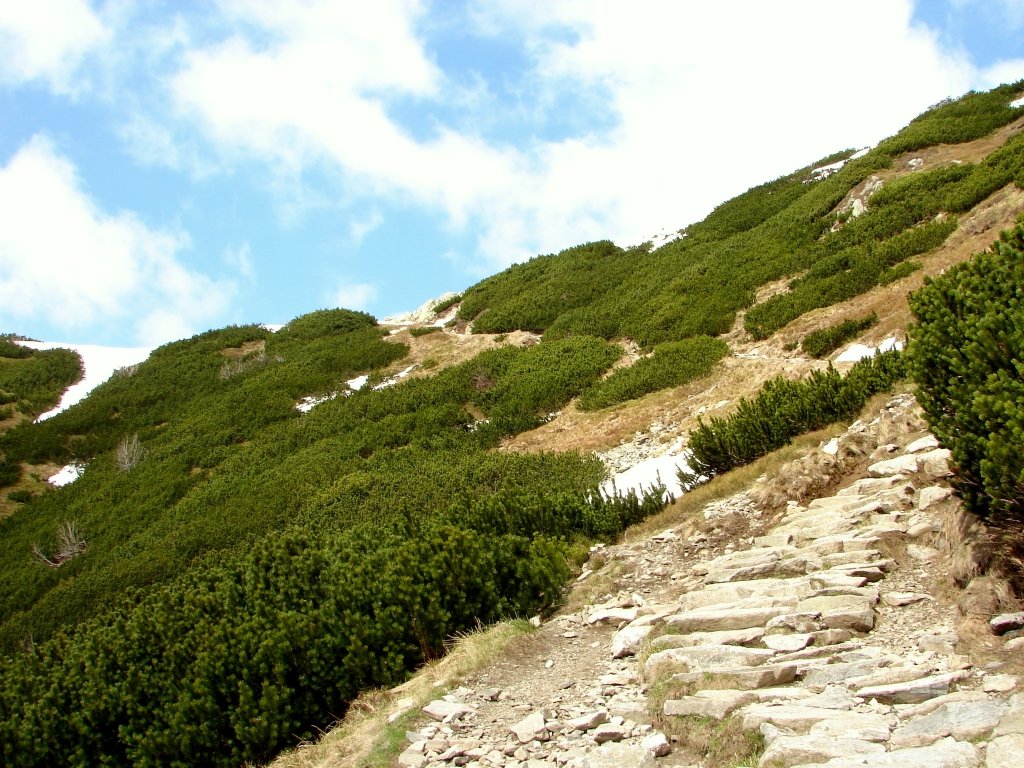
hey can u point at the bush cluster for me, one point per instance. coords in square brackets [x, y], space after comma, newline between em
[965, 354]
[784, 409]
[828, 340]
[671, 364]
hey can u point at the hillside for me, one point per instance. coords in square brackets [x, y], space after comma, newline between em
[269, 523]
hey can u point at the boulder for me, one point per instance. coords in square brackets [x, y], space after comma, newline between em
[530, 728]
[629, 639]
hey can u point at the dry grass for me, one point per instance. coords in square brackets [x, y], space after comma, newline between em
[715, 743]
[365, 738]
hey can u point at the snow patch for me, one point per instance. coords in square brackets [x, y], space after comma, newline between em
[390, 382]
[856, 352]
[823, 172]
[98, 362]
[66, 475]
[1018, 103]
[272, 327]
[643, 476]
[358, 382]
[664, 238]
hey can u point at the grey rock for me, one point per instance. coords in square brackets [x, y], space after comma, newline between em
[926, 443]
[628, 640]
[914, 691]
[788, 643]
[714, 703]
[1007, 622]
[743, 678]
[1005, 751]
[530, 728]
[793, 750]
[618, 756]
[1012, 722]
[935, 463]
[866, 726]
[588, 721]
[932, 495]
[702, 657]
[948, 753]
[439, 709]
[963, 721]
[609, 732]
[788, 716]
[901, 465]
[748, 636]
[656, 743]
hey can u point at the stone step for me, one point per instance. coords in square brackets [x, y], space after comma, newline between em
[701, 657]
[948, 753]
[741, 678]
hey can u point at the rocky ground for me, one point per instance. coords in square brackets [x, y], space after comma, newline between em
[821, 635]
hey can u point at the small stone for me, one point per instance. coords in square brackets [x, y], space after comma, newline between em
[530, 728]
[926, 443]
[609, 732]
[439, 709]
[656, 743]
[998, 683]
[899, 599]
[1007, 622]
[932, 495]
[588, 721]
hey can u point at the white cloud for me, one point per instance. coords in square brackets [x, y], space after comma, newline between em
[47, 40]
[65, 261]
[239, 258]
[697, 102]
[358, 229]
[357, 296]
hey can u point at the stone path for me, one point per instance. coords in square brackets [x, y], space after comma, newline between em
[820, 635]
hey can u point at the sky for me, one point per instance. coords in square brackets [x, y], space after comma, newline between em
[172, 166]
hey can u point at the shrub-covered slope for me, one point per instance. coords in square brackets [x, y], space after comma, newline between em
[229, 572]
[695, 285]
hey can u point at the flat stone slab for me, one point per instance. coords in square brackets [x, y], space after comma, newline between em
[1005, 752]
[749, 636]
[716, 704]
[912, 692]
[788, 643]
[701, 657]
[963, 720]
[629, 639]
[947, 753]
[615, 755]
[745, 678]
[794, 750]
[901, 465]
[852, 612]
[790, 716]
[866, 726]
[716, 619]
[439, 709]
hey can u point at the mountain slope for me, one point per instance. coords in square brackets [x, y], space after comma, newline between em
[231, 570]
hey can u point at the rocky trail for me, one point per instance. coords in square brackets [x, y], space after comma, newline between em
[825, 634]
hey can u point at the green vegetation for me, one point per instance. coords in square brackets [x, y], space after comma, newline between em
[966, 356]
[33, 380]
[672, 364]
[425, 330]
[784, 409]
[229, 573]
[695, 285]
[828, 340]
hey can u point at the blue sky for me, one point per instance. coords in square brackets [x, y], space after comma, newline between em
[169, 167]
